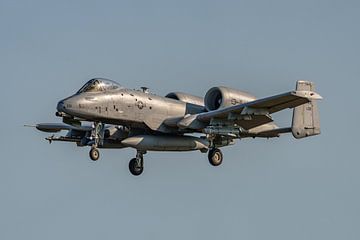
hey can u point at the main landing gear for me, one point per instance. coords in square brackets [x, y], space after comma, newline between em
[94, 154]
[215, 156]
[136, 165]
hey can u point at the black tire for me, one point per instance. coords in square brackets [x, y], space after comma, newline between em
[134, 169]
[94, 154]
[215, 157]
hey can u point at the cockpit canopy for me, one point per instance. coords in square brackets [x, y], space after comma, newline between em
[99, 85]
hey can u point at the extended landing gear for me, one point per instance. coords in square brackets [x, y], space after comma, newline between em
[136, 165]
[96, 138]
[94, 154]
[215, 156]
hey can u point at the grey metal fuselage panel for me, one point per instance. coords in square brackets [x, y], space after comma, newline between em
[127, 107]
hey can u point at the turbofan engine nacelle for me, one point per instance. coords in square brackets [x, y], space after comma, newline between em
[187, 98]
[220, 97]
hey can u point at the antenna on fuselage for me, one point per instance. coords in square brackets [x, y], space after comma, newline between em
[145, 89]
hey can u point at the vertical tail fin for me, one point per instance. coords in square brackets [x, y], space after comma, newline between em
[306, 121]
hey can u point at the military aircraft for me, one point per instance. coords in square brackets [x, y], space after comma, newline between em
[103, 114]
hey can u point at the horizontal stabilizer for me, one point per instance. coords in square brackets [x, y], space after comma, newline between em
[266, 133]
[274, 133]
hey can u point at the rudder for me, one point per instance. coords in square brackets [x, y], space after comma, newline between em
[306, 120]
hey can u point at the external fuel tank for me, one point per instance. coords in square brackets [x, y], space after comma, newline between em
[166, 143]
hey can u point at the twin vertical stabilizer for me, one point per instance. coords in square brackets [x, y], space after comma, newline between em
[306, 121]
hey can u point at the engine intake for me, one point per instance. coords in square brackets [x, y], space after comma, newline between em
[220, 97]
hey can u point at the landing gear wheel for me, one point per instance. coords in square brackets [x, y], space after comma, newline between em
[215, 157]
[94, 154]
[136, 167]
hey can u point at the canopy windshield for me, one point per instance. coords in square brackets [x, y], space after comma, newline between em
[99, 85]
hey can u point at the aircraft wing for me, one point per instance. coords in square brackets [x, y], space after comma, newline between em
[74, 134]
[257, 112]
[57, 127]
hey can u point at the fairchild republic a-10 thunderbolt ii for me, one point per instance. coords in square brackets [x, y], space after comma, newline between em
[118, 117]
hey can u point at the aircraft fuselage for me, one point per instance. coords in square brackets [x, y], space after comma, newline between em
[126, 107]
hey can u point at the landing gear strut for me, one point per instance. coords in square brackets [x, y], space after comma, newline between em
[97, 134]
[215, 156]
[136, 165]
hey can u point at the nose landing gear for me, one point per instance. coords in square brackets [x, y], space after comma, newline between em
[96, 137]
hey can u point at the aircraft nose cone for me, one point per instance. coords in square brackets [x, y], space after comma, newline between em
[60, 106]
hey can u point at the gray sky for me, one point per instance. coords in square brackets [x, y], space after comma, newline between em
[276, 189]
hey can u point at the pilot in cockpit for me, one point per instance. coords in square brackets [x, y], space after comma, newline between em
[99, 85]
